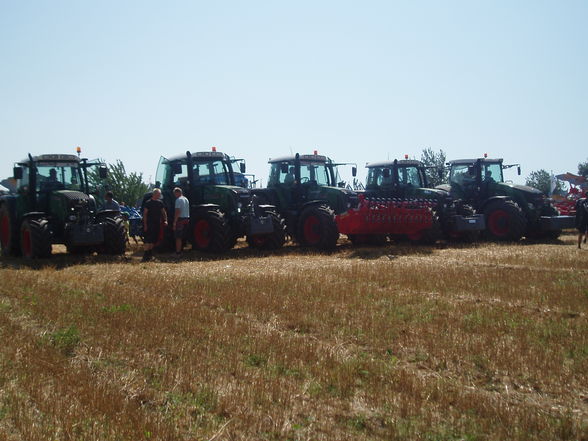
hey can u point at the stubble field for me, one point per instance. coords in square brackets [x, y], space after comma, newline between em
[452, 342]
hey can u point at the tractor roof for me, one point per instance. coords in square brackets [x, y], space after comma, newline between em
[472, 161]
[53, 158]
[306, 158]
[200, 155]
[401, 163]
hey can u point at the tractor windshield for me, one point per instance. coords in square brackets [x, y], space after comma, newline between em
[462, 174]
[211, 172]
[379, 176]
[315, 172]
[492, 172]
[58, 176]
[410, 176]
[282, 173]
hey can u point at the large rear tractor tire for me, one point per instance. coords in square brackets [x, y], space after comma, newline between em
[35, 239]
[317, 228]
[271, 241]
[211, 232]
[115, 236]
[504, 221]
[537, 233]
[8, 233]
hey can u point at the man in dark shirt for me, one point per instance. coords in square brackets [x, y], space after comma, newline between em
[154, 215]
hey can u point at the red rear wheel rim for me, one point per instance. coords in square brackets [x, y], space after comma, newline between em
[4, 231]
[202, 232]
[499, 223]
[26, 243]
[312, 229]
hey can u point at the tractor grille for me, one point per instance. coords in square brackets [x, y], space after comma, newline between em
[75, 196]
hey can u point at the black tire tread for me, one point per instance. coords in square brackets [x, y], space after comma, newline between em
[12, 248]
[329, 230]
[222, 236]
[40, 237]
[517, 220]
[274, 240]
[115, 240]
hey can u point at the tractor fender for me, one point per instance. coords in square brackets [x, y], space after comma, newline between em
[205, 207]
[107, 213]
[311, 203]
[34, 215]
[492, 199]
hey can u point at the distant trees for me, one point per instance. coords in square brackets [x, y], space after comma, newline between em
[127, 187]
[542, 180]
[436, 175]
[583, 168]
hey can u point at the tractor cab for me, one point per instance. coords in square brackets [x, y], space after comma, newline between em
[203, 177]
[482, 178]
[299, 179]
[400, 179]
[45, 180]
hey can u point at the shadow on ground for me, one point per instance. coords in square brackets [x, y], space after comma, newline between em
[346, 250]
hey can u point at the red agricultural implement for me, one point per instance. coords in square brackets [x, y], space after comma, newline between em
[413, 218]
[566, 204]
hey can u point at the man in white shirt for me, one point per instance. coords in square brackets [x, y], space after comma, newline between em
[181, 219]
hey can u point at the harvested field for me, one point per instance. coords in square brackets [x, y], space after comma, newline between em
[457, 342]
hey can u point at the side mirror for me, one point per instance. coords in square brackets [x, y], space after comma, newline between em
[242, 167]
[471, 170]
[102, 172]
[17, 172]
[284, 167]
[386, 173]
[354, 171]
[157, 184]
[519, 170]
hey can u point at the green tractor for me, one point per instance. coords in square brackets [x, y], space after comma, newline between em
[511, 211]
[53, 205]
[221, 210]
[407, 180]
[307, 193]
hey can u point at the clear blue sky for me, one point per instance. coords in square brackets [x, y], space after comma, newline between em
[360, 81]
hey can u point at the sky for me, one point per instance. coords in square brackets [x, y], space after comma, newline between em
[357, 81]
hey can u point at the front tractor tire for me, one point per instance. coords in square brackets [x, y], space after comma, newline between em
[271, 241]
[211, 232]
[115, 236]
[35, 239]
[317, 228]
[8, 233]
[504, 221]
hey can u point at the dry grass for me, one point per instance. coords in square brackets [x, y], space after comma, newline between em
[473, 342]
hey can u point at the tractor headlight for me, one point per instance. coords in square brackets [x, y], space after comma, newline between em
[72, 217]
[239, 207]
[531, 206]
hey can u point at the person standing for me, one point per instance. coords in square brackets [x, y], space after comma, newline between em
[181, 219]
[582, 218]
[154, 216]
[110, 203]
